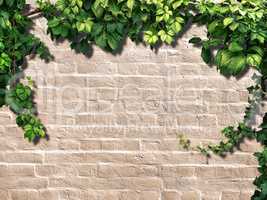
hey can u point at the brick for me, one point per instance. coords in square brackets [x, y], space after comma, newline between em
[128, 145]
[126, 171]
[177, 171]
[99, 106]
[149, 195]
[71, 81]
[17, 171]
[129, 69]
[211, 196]
[82, 157]
[48, 194]
[49, 170]
[186, 119]
[188, 195]
[70, 194]
[94, 119]
[207, 120]
[231, 195]
[24, 195]
[170, 195]
[97, 68]
[65, 68]
[165, 158]
[106, 94]
[23, 183]
[23, 157]
[117, 195]
[142, 184]
[4, 195]
[86, 170]
[101, 82]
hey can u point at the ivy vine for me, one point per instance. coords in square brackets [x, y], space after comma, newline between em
[236, 40]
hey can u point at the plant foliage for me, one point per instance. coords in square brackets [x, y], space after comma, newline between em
[236, 40]
[15, 44]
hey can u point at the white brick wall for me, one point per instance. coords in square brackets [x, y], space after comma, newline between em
[113, 123]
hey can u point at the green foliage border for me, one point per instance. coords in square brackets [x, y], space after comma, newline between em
[236, 40]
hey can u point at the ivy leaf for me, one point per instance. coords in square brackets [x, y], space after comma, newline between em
[212, 43]
[222, 59]
[235, 47]
[227, 21]
[112, 42]
[115, 10]
[97, 9]
[206, 55]
[195, 40]
[53, 23]
[212, 26]
[237, 64]
[97, 29]
[254, 60]
[177, 4]
[101, 40]
[176, 27]
[130, 4]
[234, 26]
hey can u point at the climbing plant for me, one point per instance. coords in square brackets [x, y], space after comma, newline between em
[15, 44]
[236, 40]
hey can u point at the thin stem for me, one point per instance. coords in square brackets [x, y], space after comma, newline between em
[33, 12]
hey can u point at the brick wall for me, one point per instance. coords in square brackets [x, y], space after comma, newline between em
[113, 123]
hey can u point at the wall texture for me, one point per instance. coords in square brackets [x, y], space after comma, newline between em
[113, 123]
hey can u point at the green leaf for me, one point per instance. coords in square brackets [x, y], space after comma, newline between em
[206, 55]
[212, 43]
[101, 40]
[53, 23]
[195, 40]
[222, 58]
[212, 26]
[230, 64]
[130, 4]
[112, 42]
[97, 9]
[254, 60]
[115, 10]
[80, 26]
[97, 29]
[237, 64]
[233, 26]
[227, 21]
[176, 27]
[235, 47]
[256, 49]
[177, 4]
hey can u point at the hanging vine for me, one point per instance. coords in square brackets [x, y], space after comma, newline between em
[236, 40]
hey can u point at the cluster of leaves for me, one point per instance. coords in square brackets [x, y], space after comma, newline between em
[15, 44]
[32, 126]
[239, 32]
[106, 22]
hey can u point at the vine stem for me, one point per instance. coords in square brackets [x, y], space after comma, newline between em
[33, 12]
